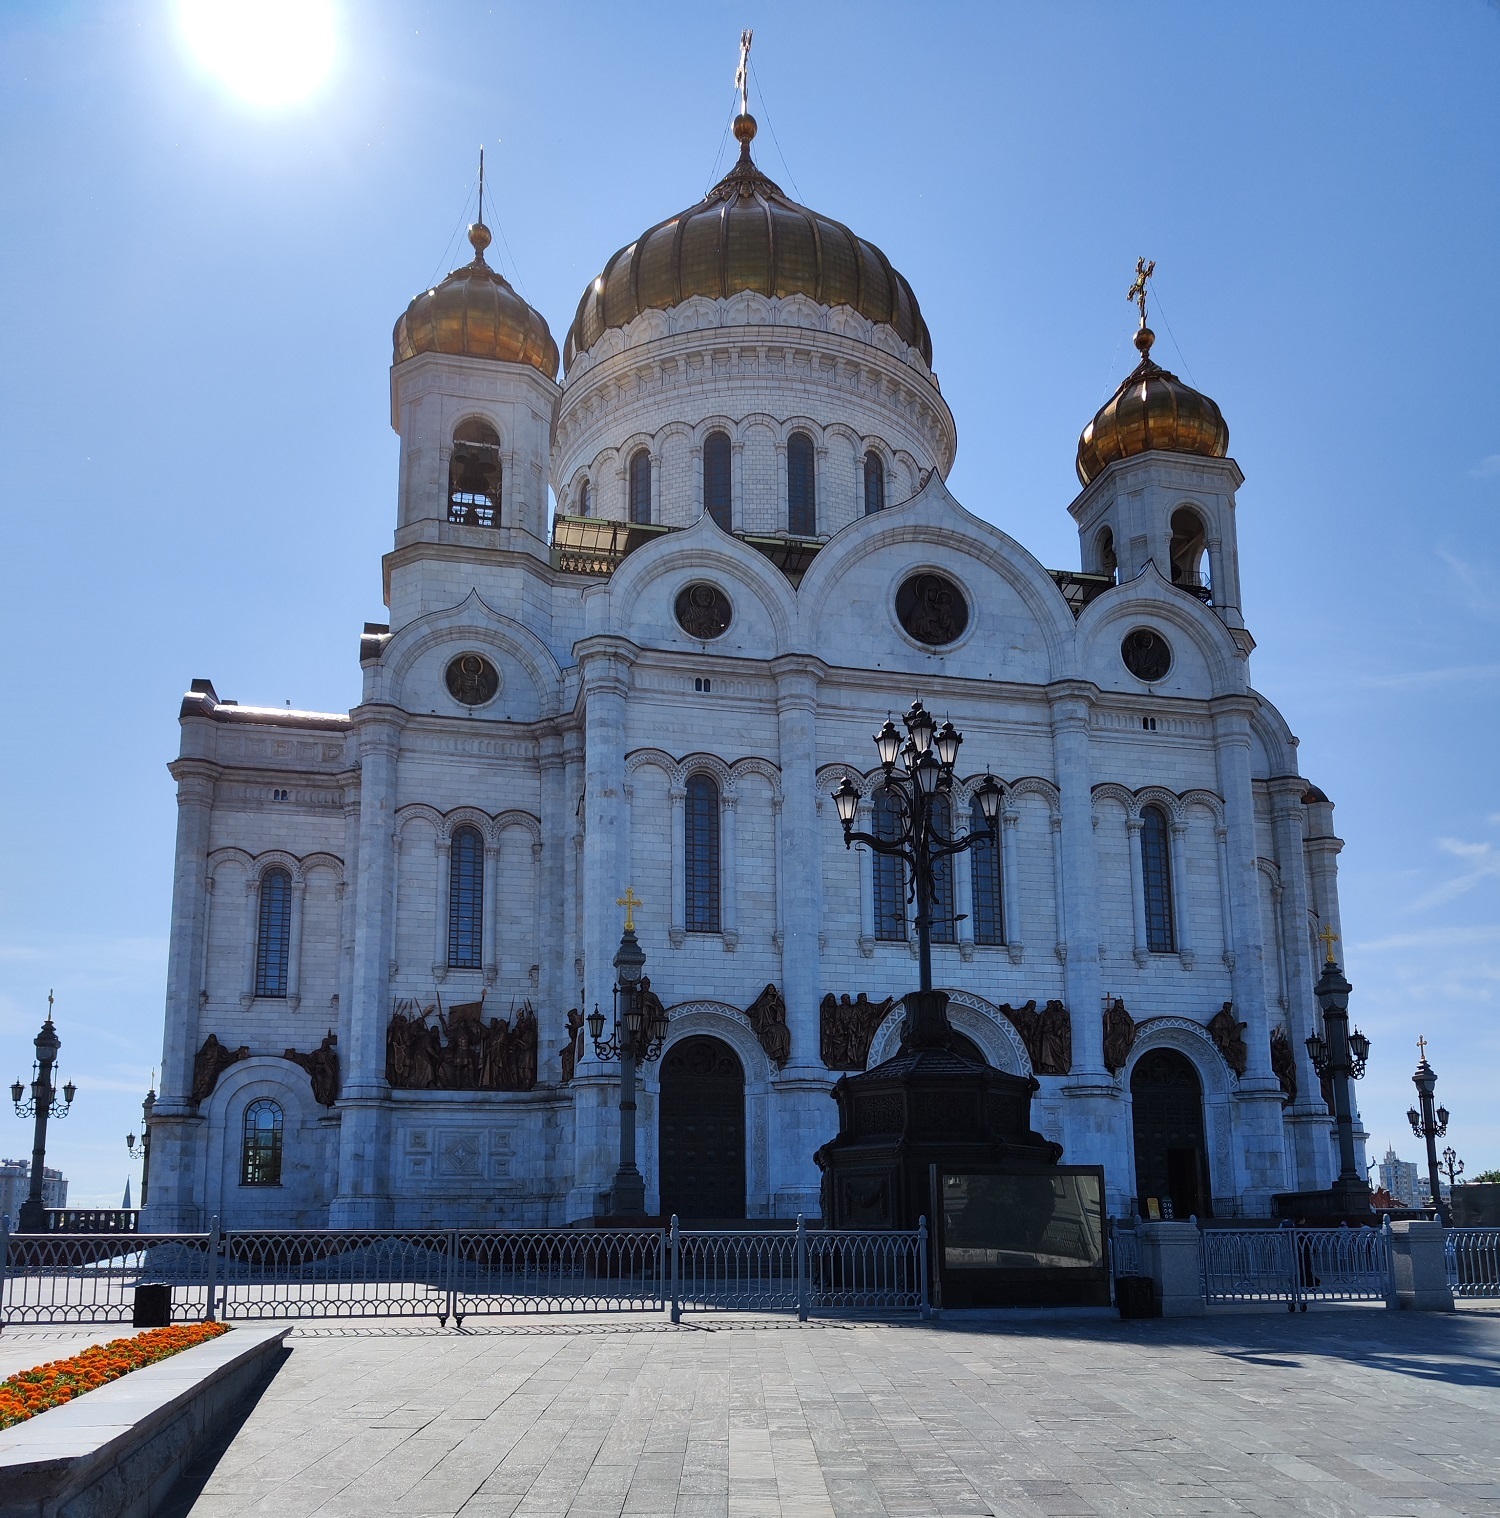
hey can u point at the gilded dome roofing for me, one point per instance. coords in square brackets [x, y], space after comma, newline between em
[1151, 409]
[475, 313]
[747, 235]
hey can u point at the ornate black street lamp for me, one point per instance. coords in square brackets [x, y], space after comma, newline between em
[639, 1031]
[142, 1151]
[41, 1105]
[927, 756]
[1340, 1054]
[1430, 1123]
[1453, 1167]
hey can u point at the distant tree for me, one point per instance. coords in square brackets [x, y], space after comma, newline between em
[1486, 1177]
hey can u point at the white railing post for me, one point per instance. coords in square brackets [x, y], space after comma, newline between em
[923, 1306]
[1391, 1297]
[801, 1268]
[676, 1312]
[452, 1302]
[213, 1267]
[4, 1260]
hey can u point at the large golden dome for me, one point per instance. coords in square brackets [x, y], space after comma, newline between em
[476, 314]
[746, 235]
[1151, 409]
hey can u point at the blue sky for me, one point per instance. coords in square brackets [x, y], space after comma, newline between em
[197, 471]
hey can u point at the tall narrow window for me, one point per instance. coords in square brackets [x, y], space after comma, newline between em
[701, 845]
[874, 483]
[1188, 549]
[585, 500]
[260, 1153]
[474, 475]
[1156, 872]
[273, 933]
[716, 486]
[890, 873]
[466, 900]
[640, 487]
[944, 923]
[984, 862]
[801, 487]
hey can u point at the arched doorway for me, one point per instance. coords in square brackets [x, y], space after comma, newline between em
[1171, 1155]
[702, 1131]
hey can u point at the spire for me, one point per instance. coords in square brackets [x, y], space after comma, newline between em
[479, 234]
[744, 123]
[1144, 337]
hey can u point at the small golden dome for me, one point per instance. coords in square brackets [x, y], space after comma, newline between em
[746, 235]
[476, 313]
[1151, 409]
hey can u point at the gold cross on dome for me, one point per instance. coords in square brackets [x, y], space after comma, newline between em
[1137, 293]
[630, 901]
[1422, 1048]
[742, 74]
[1329, 938]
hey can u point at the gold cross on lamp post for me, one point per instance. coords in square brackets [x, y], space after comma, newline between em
[1422, 1049]
[1329, 938]
[630, 901]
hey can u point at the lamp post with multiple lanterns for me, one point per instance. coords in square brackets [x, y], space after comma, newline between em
[637, 1038]
[1430, 1122]
[41, 1105]
[1340, 1054]
[927, 756]
[141, 1150]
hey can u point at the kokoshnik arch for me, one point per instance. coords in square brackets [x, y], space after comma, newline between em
[388, 924]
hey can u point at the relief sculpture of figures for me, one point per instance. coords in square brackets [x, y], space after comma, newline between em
[1284, 1062]
[1048, 1035]
[573, 1048]
[1119, 1035]
[426, 1049]
[210, 1062]
[767, 1014]
[847, 1027]
[322, 1067]
[1228, 1035]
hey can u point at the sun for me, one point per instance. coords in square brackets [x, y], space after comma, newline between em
[267, 52]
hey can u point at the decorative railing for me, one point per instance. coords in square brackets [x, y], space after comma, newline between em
[1473, 1256]
[1296, 1265]
[93, 1220]
[1124, 1251]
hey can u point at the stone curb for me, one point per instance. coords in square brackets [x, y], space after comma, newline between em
[115, 1451]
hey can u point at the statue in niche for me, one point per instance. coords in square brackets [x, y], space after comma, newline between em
[210, 1062]
[1284, 1062]
[767, 1014]
[846, 1027]
[1119, 1034]
[427, 1049]
[574, 1047]
[322, 1067]
[1048, 1035]
[1228, 1035]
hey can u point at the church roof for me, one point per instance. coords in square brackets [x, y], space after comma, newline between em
[745, 234]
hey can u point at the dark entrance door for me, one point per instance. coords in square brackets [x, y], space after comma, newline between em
[702, 1131]
[1171, 1155]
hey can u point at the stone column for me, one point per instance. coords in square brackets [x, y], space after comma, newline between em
[554, 986]
[490, 948]
[864, 822]
[176, 1128]
[294, 946]
[363, 1199]
[1258, 1098]
[1181, 902]
[1010, 900]
[677, 865]
[442, 847]
[1134, 827]
[963, 891]
[348, 905]
[729, 923]
[799, 1097]
[250, 937]
[1311, 1130]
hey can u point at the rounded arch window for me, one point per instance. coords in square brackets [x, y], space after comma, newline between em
[801, 486]
[1106, 561]
[874, 483]
[471, 679]
[260, 1151]
[1147, 655]
[932, 608]
[640, 487]
[273, 933]
[717, 482]
[1188, 548]
[585, 499]
[474, 475]
[703, 610]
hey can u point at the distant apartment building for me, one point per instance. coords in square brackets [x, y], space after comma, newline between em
[1401, 1179]
[15, 1187]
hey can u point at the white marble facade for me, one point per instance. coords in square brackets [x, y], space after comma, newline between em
[575, 773]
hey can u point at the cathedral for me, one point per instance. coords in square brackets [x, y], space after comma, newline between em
[390, 925]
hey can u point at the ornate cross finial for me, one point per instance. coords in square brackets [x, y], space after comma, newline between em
[1137, 293]
[1329, 938]
[742, 74]
[1422, 1049]
[481, 182]
[49, 1006]
[630, 901]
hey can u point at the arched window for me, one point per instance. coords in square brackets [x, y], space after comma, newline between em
[890, 873]
[1156, 873]
[1189, 544]
[944, 922]
[984, 863]
[466, 900]
[640, 486]
[273, 933]
[701, 851]
[260, 1153]
[585, 499]
[801, 487]
[716, 480]
[474, 475]
[874, 483]
[1104, 553]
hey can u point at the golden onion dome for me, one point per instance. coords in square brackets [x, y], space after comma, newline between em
[747, 235]
[1151, 409]
[475, 313]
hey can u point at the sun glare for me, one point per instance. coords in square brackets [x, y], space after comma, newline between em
[267, 52]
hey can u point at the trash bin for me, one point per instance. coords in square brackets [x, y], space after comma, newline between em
[153, 1307]
[1135, 1296]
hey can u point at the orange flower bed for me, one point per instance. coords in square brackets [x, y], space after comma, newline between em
[30, 1392]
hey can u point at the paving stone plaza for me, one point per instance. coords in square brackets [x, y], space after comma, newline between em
[1342, 1412]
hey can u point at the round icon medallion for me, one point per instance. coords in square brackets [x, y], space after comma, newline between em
[1147, 655]
[472, 679]
[703, 610]
[932, 608]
